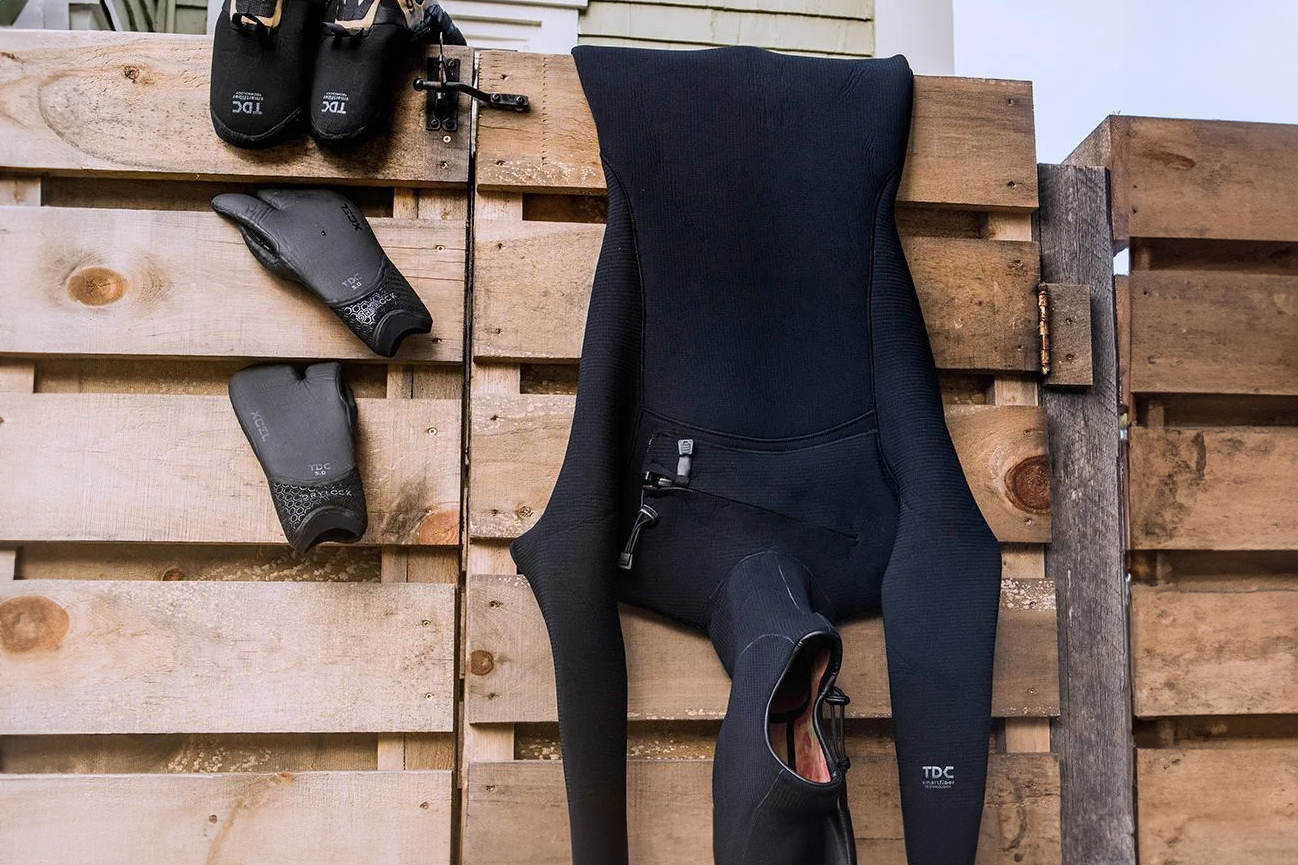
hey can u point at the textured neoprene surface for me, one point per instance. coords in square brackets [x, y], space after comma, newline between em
[261, 55]
[318, 238]
[302, 426]
[363, 42]
[752, 310]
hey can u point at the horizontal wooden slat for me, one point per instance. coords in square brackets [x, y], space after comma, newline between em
[516, 812]
[511, 669]
[1228, 488]
[979, 297]
[519, 444]
[972, 140]
[89, 281]
[1214, 806]
[141, 656]
[1195, 332]
[133, 467]
[299, 818]
[136, 105]
[1209, 178]
[1214, 652]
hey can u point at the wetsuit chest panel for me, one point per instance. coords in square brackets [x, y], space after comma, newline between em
[755, 226]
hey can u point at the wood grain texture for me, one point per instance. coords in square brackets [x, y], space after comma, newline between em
[972, 143]
[90, 281]
[136, 467]
[223, 657]
[519, 443]
[516, 813]
[136, 105]
[979, 297]
[1214, 652]
[1229, 488]
[1209, 179]
[1195, 332]
[510, 675]
[1085, 557]
[1213, 806]
[304, 818]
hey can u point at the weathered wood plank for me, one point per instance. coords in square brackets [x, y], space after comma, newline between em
[1229, 488]
[511, 674]
[979, 297]
[1194, 332]
[136, 105]
[519, 444]
[1214, 652]
[1085, 556]
[516, 813]
[972, 140]
[89, 281]
[1212, 806]
[303, 818]
[132, 467]
[224, 657]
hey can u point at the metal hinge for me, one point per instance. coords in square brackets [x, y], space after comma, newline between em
[1043, 325]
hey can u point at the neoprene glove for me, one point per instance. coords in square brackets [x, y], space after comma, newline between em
[302, 427]
[320, 239]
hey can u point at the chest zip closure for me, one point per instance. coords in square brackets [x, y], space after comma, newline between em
[647, 516]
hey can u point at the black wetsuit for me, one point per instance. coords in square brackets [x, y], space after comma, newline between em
[759, 435]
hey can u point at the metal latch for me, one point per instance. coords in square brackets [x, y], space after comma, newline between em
[442, 88]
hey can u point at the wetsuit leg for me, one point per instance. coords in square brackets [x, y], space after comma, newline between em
[941, 589]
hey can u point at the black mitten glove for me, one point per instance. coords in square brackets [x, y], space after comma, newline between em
[261, 54]
[321, 240]
[363, 40]
[302, 426]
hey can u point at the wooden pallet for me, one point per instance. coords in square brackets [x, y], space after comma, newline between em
[966, 205]
[1210, 364]
[175, 686]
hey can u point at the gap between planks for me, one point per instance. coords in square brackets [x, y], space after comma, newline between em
[1022, 735]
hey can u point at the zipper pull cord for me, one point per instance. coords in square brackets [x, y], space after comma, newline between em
[838, 701]
[646, 516]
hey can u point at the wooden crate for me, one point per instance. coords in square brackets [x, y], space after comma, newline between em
[1209, 361]
[967, 201]
[175, 686]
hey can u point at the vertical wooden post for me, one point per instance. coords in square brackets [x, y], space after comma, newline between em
[1085, 557]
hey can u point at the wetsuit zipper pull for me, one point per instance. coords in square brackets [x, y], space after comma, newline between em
[684, 457]
[645, 516]
[838, 701]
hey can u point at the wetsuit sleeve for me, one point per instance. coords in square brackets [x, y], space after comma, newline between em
[570, 556]
[941, 589]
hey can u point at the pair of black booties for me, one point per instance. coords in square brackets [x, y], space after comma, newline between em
[267, 54]
[301, 422]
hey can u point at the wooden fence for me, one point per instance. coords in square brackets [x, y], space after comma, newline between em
[175, 687]
[1208, 344]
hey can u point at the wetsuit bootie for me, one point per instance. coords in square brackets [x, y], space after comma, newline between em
[779, 777]
[260, 61]
[363, 41]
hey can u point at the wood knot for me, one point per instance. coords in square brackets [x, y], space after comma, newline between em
[131, 73]
[31, 624]
[171, 575]
[1028, 484]
[96, 286]
[481, 662]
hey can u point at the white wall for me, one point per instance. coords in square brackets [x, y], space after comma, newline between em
[920, 29]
